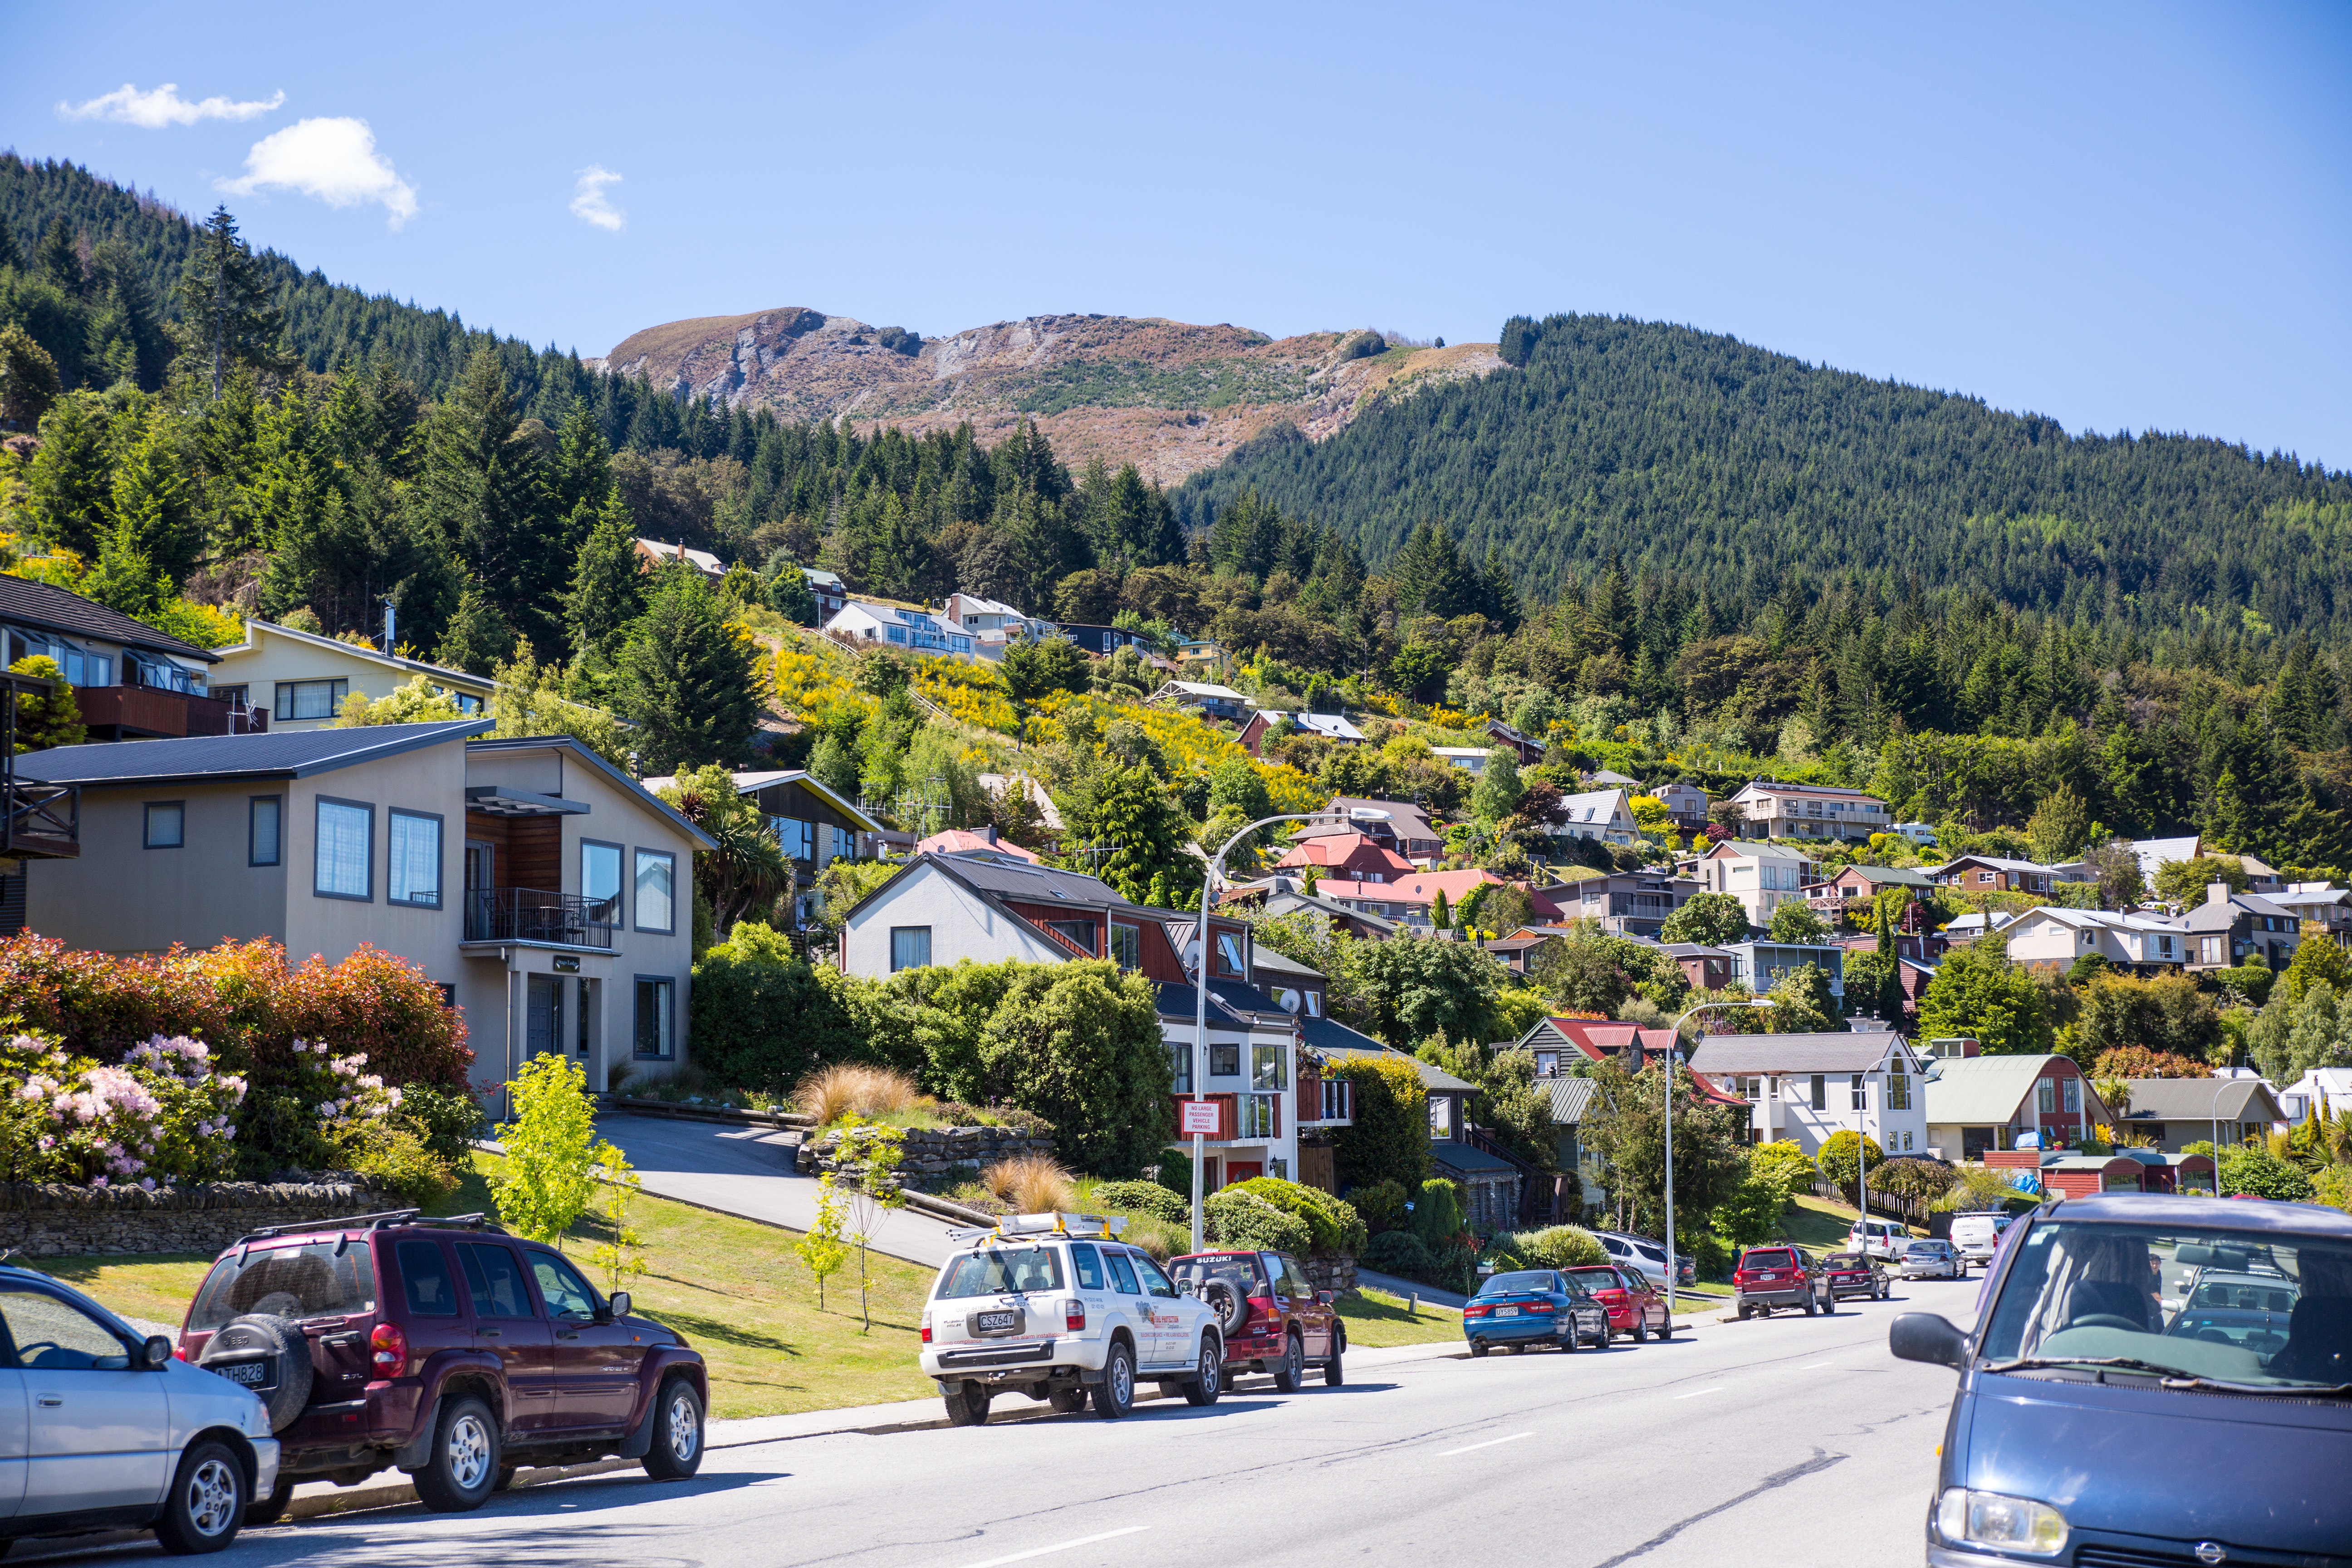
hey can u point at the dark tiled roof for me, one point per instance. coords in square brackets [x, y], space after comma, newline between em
[2201, 1099]
[287, 754]
[1335, 1038]
[54, 609]
[1463, 1157]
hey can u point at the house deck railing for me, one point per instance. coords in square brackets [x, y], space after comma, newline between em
[533, 915]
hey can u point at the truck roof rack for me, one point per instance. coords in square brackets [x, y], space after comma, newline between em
[386, 1220]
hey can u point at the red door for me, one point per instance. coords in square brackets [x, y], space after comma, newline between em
[1243, 1170]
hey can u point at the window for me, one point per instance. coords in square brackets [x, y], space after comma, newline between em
[1079, 934]
[1907, 1142]
[1258, 1116]
[263, 814]
[232, 695]
[1126, 946]
[1441, 1115]
[2046, 1095]
[1861, 1095]
[1266, 1068]
[1229, 955]
[1123, 1273]
[1180, 1059]
[559, 1285]
[655, 1033]
[1898, 1090]
[52, 1335]
[600, 879]
[424, 1276]
[1155, 1283]
[1314, 1003]
[1000, 1270]
[911, 947]
[167, 823]
[2074, 1094]
[1087, 1264]
[413, 868]
[344, 853]
[796, 838]
[1821, 1092]
[311, 699]
[493, 1279]
[1224, 1061]
[656, 879]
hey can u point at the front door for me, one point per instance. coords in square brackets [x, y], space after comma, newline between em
[481, 876]
[543, 1015]
[509, 1326]
[98, 1429]
[594, 1363]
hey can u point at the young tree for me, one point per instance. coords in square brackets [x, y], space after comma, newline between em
[748, 869]
[1441, 918]
[51, 720]
[1710, 920]
[28, 378]
[226, 319]
[1837, 1160]
[873, 1152]
[479, 634]
[1031, 668]
[548, 1175]
[1625, 1125]
[2059, 826]
[68, 485]
[1795, 923]
[413, 701]
[608, 586]
[1498, 789]
[1129, 810]
[1389, 1140]
[688, 681]
[823, 1248]
[788, 593]
[528, 700]
[621, 1253]
[150, 495]
[124, 579]
[1979, 994]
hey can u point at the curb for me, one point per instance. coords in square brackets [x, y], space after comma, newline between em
[610, 1105]
[394, 1494]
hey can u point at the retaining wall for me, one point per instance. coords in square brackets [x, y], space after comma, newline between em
[48, 1220]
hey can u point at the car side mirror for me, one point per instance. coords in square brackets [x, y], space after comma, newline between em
[618, 1304]
[1924, 1336]
[1325, 1297]
[156, 1353]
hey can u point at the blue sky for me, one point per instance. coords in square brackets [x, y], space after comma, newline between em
[2121, 216]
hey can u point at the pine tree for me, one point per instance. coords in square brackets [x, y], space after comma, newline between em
[687, 679]
[67, 485]
[29, 377]
[479, 637]
[150, 495]
[1441, 918]
[226, 319]
[608, 586]
[59, 258]
[790, 597]
[481, 488]
[581, 475]
[124, 579]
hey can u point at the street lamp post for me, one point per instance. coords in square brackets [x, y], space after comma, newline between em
[2218, 1093]
[1216, 869]
[1674, 1054]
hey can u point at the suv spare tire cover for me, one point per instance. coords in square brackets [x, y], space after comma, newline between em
[282, 1338]
[1230, 1305]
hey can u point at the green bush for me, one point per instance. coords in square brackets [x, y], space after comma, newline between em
[764, 1025]
[1381, 1204]
[397, 1160]
[1711, 1256]
[1390, 1139]
[1079, 1044]
[1176, 1173]
[1559, 1246]
[1785, 1164]
[1437, 1213]
[1398, 1252]
[446, 1117]
[2254, 1170]
[2253, 980]
[1332, 1225]
[1236, 1218]
[1141, 1197]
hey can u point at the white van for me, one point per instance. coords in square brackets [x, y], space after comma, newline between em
[1976, 1235]
[1888, 1237]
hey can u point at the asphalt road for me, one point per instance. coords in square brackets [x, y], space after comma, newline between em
[1787, 1441]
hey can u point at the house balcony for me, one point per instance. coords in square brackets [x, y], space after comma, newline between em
[150, 712]
[1250, 1116]
[1326, 1102]
[534, 915]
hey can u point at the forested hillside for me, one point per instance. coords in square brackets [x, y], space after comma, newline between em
[1741, 473]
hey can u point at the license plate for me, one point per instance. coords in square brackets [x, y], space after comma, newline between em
[1507, 1311]
[995, 1322]
[252, 1373]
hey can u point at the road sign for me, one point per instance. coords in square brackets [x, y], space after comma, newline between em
[1198, 1116]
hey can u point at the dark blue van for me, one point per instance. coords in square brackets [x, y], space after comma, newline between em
[2155, 1381]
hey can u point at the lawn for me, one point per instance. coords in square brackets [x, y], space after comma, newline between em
[1376, 1320]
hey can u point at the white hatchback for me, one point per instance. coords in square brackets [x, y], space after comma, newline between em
[1056, 1306]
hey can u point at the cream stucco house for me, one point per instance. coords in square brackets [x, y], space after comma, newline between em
[300, 679]
[545, 891]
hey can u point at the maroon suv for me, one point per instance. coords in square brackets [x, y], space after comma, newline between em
[445, 1347]
[1273, 1319]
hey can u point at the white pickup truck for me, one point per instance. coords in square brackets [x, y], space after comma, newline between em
[1056, 1306]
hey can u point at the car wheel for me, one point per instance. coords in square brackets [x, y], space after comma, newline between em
[269, 1509]
[1812, 1306]
[1334, 1372]
[1208, 1379]
[464, 1464]
[1829, 1305]
[1743, 1311]
[206, 1504]
[1666, 1325]
[677, 1452]
[1478, 1348]
[506, 1474]
[967, 1402]
[1292, 1369]
[1114, 1394]
[1641, 1330]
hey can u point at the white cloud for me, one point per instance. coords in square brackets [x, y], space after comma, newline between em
[334, 160]
[588, 202]
[164, 106]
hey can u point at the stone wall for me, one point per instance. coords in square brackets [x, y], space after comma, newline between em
[49, 1220]
[1337, 1275]
[936, 1159]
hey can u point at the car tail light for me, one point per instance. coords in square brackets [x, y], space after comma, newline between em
[1264, 1307]
[1475, 1311]
[388, 1350]
[927, 1326]
[1074, 1316]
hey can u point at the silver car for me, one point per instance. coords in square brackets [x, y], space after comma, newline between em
[103, 1428]
[1932, 1260]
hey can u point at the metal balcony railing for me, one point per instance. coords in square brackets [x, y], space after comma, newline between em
[533, 915]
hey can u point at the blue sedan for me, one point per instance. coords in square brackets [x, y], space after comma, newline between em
[1533, 1307]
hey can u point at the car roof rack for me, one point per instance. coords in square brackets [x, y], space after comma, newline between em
[1068, 1226]
[386, 1220]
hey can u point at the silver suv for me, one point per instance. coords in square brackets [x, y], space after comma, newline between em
[1056, 1306]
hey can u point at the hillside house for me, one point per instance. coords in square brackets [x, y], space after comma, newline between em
[975, 841]
[1102, 641]
[1978, 1105]
[1808, 1087]
[1471, 760]
[2176, 1111]
[1407, 900]
[130, 680]
[655, 555]
[1203, 696]
[812, 826]
[2322, 904]
[1774, 810]
[831, 594]
[1282, 895]
[1852, 894]
[1348, 856]
[1991, 874]
[1685, 804]
[1763, 963]
[2050, 937]
[2230, 928]
[2153, 853]
[893, 625]
[1626, 903]
[1402, 826]
[1530, 752]
[299, 678]
[1606, 815]
[1762, 876]
[1264, 723]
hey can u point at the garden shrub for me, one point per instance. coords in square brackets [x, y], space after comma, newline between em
[446, 1119]
[1559, 1246]
[1141, 1197]
[1079, 1044]
[1382, 1204]
[1236, 1218]
[1784, 1163]
[1176, 1173]
[398, 1159]
[1390, 1139]
[1398, 1252]
[1333, 1225]
[1711, 1256]
[1437, 1213]
[763, 1024]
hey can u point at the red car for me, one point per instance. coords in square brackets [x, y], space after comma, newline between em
[1634, 1306]
[1273, 1319]
[1769, 1277]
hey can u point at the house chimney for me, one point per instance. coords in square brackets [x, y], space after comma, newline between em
[2217, 892]
[989, 833]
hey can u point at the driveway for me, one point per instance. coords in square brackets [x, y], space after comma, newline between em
[747, 1171]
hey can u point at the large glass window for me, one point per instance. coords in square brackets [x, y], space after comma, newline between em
[311, 699]
[1127, 945]
[412, 875]
[600, 879]
[1229, 955]
[1180, 1057]
[1266, 1069]
[911, 947]
[166, 825]
[655, 1035]
[345, 850]
[657, 884]
[266, 812]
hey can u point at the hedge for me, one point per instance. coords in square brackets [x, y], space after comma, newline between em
[1332, 1225]
[1141, 1197]
[1236, 1218]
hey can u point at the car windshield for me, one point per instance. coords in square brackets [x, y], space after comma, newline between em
[2244, 1307]
[1768, 1260]
[1002, 1271]
[1844, 1260]
[315, 1279]
[1525, 1280]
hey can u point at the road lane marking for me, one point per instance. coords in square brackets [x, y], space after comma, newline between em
[1694, 1393]
[1062, 1546]
[1817, 1366]
[1488, 1444]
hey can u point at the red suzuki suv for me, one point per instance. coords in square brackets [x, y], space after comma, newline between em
[1769, 1277]
[445, 1347]
[1273, 1320]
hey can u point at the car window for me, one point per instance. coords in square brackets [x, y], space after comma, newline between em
[1293, 1279]
[1002, 1271]
[1122, 1274]
[1238, 1271]
[493, 1279]
[1778, 1258]
[559, 1285]
[1087, 1264]
[50, 1334]
[425, 1279]
[1525, 1280]
[1155, 1283]
[313, 1279]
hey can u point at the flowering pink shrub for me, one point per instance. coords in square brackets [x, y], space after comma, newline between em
[164, 1114]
